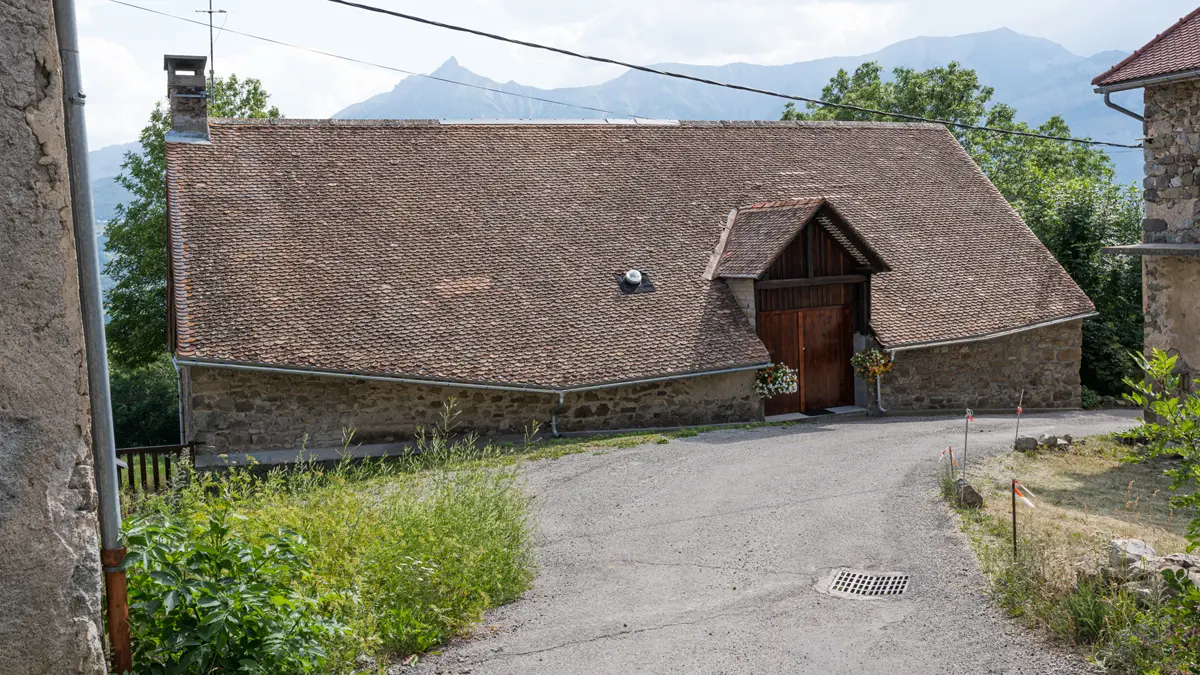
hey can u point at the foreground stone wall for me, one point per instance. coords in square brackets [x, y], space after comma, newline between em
[50, 560]
[1171, 299]
[990, 373]
[239, 410]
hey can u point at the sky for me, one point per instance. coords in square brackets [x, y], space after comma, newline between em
[122, 47]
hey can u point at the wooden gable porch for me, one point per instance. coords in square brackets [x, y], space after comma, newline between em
[811, 277]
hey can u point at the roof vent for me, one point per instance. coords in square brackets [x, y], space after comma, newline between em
[634, 281]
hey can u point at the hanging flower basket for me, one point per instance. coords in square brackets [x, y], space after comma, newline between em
[870, 364]
[774, 380]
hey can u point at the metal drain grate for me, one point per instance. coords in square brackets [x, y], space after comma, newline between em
[854, 583]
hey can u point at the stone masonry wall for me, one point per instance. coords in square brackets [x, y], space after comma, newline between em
[990, 373]
[238, 410]
[50, 566]
[743, 292]
[1171, 299]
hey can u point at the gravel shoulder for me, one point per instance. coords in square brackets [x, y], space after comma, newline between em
[702, 556]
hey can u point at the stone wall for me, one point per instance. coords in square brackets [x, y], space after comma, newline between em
[743, 292]
[241, 410]
[50, 566]
[990, 373]
[1172, 191]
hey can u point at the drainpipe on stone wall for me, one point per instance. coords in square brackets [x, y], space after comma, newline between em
[554, 413]
[108, 510]
[878, 390]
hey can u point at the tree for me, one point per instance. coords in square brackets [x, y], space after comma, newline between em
[1063, 190]
[950, 93]
[137, 235]
[145, 404]
[1075, 218]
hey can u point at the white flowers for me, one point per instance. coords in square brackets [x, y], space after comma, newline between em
[774, 380]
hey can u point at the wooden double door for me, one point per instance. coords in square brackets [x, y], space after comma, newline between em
[818, 344]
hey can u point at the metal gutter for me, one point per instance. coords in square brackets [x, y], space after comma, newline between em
[1124, 111]
[990, 336]
[345, 374]
[561, 392]
[348, 374]
[1149, 81]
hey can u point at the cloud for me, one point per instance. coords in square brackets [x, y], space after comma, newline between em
[121, 91]
[123, 47]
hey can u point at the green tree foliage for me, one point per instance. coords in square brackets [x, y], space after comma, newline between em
[1075, 218]
[137, 235]
[950, 93]
[145, 403]
[1063, 190]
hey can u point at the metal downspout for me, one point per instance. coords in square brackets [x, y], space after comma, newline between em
[554, 414]
[1126, 111]
[878, 390]
[91, 302]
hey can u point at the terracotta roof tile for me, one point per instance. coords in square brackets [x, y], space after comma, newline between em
[488, 252]
[1175, 50]
[758, 234]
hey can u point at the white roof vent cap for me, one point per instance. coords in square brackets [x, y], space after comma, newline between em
[633, 278]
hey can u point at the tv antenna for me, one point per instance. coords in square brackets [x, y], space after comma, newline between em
[212, 56]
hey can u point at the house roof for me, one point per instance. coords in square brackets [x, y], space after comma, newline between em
[1175, 50]
[488, 253]
[758, 233]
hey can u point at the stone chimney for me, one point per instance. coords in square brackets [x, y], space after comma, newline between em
[186, 89]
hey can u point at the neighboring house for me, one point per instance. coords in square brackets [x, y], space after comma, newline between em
[329, 274]
[1168, 70]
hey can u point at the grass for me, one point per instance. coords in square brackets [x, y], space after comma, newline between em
[405, 554]
[1086, 496]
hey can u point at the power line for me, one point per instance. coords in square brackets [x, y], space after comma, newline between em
[693, 78]
[380, 65]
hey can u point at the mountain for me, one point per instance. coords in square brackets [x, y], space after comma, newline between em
[1038, 77]
[104, 165]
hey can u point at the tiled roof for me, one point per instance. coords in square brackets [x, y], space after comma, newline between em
[1175, 50]
[488, 253]
[758, 233]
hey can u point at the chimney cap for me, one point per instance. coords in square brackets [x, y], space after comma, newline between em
[185, 71]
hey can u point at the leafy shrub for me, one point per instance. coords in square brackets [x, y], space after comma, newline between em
[205, 600]
[145, 403]
[386, 558]
[1175, 431]
[1090, 399]
[1164, 638]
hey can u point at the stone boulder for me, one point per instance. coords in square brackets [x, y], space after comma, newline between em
[1047, 440]
[1127, 558]
[1026, 444]
[967, 495]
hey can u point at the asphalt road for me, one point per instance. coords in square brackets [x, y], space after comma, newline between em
[702, 556]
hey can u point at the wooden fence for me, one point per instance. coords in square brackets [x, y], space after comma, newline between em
[150, 469]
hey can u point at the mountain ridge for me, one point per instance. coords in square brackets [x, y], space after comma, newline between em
[1037, 76]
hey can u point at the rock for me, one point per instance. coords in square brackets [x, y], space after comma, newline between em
[1047, 440]
[1183, 560]
[1127, 558]
[968, 496]
[1062, 444]
[1140, 592]
[1067, 439]
[1026, 444]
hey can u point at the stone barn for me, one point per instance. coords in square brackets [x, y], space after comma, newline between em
[329, 274]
